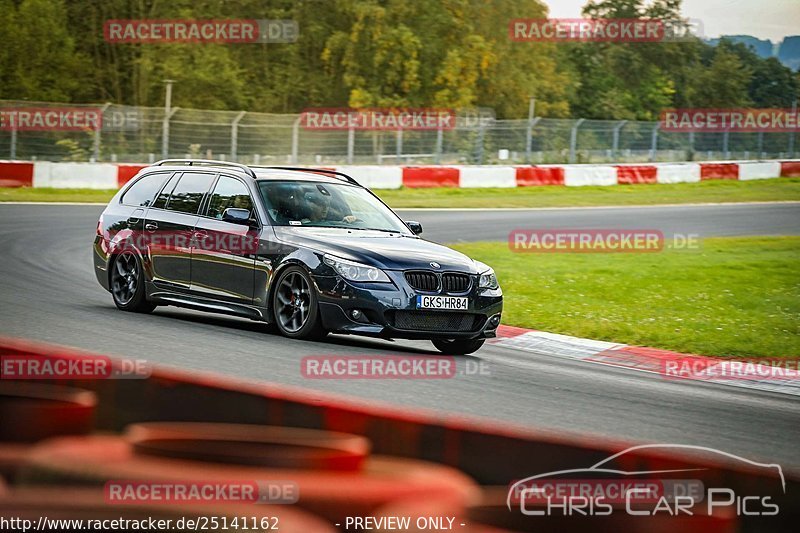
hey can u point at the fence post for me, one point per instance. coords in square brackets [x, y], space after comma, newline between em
[439, 142]
[529, 143]
[351, 139]
[97, 133]
[14, 141]
[725, 138]
[529, 131]
[479, 143]
[573, 140]
[615, 139]
[296, 139]
[761, 144]
[165, 132]
[791, 135]
[398, 145]
[235, 135]
[690, 155]
[654, 142]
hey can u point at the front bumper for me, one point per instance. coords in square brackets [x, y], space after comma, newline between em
[389, 310]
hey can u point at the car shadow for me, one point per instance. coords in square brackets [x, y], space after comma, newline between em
[243, 324]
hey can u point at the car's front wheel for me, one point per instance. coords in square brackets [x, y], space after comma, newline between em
[458, 347]
[127, 284]
[295, 306]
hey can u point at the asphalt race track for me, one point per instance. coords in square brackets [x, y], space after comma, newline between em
[48, 292]
[705, 221]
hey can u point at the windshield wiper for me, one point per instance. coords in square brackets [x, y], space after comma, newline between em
[377, 229]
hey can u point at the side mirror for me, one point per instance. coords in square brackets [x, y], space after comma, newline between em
[236, 216]
[415, 227]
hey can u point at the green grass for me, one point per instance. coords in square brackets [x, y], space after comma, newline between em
[679, 193]
[733, 297]
[551, 196]
[47, 194]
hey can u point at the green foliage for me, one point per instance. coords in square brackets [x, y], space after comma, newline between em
[444, 53]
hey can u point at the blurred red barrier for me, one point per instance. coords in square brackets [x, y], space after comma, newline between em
[16, 174]
[334, 495]
[430, 177]
[532, 176]
[267, 446]
[34, 411]
[633, 174]
[719, 171]
[126, 172]
[790, 169]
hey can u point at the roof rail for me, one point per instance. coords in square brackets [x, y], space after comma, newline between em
[211, 162]
[347, 178]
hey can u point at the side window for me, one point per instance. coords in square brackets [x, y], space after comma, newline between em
[229, 192]
[188, 193]
[161, 201]
[144, 190]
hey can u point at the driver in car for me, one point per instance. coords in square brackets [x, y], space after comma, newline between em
[321, 211]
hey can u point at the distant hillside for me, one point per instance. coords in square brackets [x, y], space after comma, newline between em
[788, 52]
[761, 47]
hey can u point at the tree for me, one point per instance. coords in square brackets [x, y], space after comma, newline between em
[41, 62]
[722, 84]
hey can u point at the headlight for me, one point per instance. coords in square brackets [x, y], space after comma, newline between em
[488, 278]
[353, 271]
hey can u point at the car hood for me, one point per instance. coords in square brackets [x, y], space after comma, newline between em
[390, 251]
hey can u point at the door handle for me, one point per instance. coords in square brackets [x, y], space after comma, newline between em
[135, 217]
[151, 226]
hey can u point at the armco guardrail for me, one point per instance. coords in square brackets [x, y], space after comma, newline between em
[112, 175]
[378, 460]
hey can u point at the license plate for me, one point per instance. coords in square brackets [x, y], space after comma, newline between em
[450, 303]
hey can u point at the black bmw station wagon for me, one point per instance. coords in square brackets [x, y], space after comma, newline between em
[309, 250]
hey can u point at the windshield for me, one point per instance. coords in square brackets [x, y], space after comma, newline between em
[326, 205]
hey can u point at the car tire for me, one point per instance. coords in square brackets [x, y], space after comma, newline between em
[295, 307]
[457, 346]
[127, 284]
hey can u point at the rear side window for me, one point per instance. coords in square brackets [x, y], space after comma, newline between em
[161, 201]
[188, 193]
[229, 192]
[144, 190]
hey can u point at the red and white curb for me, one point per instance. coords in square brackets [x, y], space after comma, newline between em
[113, 175]
[651, 360]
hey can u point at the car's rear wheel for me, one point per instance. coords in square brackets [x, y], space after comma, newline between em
[127, 284]
[457, 346]
[295, 306]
